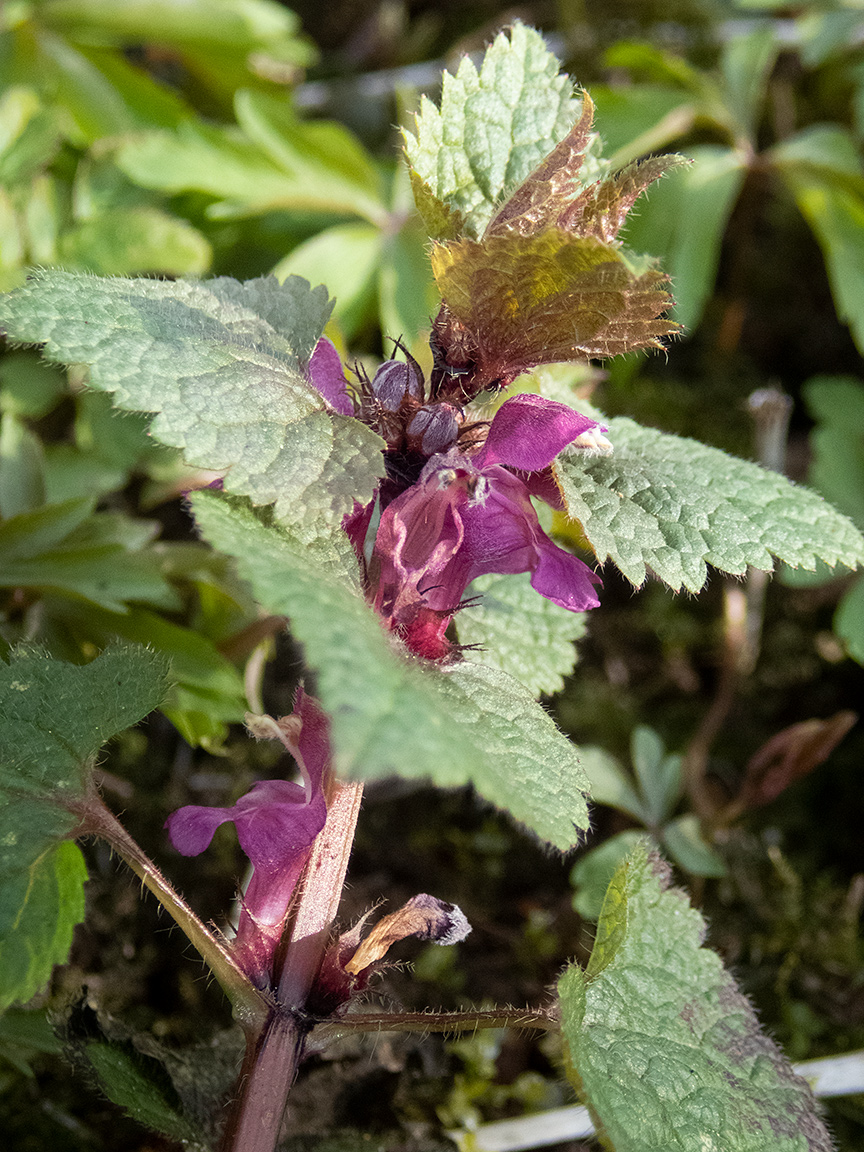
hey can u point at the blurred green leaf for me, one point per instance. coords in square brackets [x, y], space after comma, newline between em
[136, 240]
[22, 487]
[346, 259]
[407, 295]
[662, 1044]
[682, 221]
[659, 775]
[683, 840]
[640, 118]
[849, 621]
[672, 505]
[243, 25]
[329, 169]
[837, 441]
[610, 783]
[102, 559]
[29, 386]
[25, 1034]
[745, 67]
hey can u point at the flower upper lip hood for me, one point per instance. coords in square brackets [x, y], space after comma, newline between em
[468, 515]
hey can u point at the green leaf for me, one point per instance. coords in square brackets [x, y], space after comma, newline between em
[659, 775]
[849, 621]
[208, 692]
[494, 127]
[125, 1081]
[671, 505]
[136, 240]
[592, 873]
[611, 784]
[25, 1034]
[28, 386]
[330, 170]
[663, 1046]
[346, 259]
[683, 840]
[102, 559]
[222, 365]
[521, 633]
[837, 441]
[407, 296]
[22, 484]
[746, 65]
[243, 25]
[39, 908]
[637, 119]
[55, 717]
[836, 214]
[391, 713]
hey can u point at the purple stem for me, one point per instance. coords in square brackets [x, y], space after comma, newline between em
[274, 1052]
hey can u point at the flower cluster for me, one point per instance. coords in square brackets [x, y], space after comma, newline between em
[456, 500]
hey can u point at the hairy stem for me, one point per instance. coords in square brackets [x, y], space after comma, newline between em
[269, 1068]
[542, 1019]
[274, 1053]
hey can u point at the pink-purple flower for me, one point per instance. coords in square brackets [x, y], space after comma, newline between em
[471, 514]
[277, 822]
[455, 503]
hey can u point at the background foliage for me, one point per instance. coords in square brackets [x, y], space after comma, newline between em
[237, 138]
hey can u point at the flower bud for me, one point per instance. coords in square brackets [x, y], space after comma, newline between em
[394, 380]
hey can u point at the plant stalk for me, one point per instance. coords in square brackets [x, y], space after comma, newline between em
[275, 1051]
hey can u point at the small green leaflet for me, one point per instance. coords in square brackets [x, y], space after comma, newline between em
[520, 632]
[663, 1046]
[671, 506]
[222, 364]
[395, 715]
[493, 130]
[54, 718]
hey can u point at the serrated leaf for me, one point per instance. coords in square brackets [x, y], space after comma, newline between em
[521, 633]
[392, 714]
[672, 506]
[513, 302]
[39, 908]
[683, 222]
[664, 1047]
[222, 365]
[54, 718]
[494, 127]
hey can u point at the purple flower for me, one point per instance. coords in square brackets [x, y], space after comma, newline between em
[472, 514]
[326, 374]
[277, 822]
